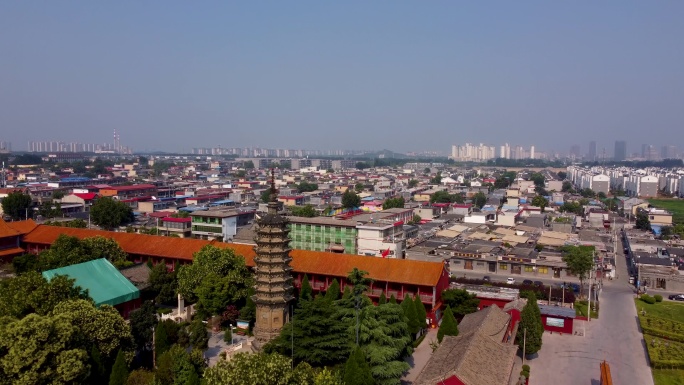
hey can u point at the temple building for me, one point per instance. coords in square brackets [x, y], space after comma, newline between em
[273, 274]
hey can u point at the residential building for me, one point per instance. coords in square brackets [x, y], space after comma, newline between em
[620, 150]
[182, 227]
[323, 234]
[219, 224]
[129, 192]
[381, 239]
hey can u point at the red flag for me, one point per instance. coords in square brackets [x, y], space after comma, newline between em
[385, 253]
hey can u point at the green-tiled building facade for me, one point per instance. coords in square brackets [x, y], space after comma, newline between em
[321, 237]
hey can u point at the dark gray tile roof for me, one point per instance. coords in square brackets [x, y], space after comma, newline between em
[476, 356]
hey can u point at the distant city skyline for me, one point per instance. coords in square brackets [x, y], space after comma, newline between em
[406, 76]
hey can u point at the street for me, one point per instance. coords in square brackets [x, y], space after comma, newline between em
[615, 337]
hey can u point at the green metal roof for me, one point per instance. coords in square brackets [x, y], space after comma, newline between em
[105, 284]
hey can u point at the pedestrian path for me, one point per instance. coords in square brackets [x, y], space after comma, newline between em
[420, 357]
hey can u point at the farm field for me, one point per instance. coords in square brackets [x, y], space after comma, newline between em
[663, 327]
[675, 206]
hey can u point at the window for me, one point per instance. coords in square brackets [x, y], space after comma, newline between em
[503, 266]
[456, 261]
[480, 264]
[543, 270]
[528, 269]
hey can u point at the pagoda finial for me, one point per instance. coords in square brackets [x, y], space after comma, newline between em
[274, 193]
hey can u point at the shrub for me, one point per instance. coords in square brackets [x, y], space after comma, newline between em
[526, 368]
[658, 298]
[648, 299]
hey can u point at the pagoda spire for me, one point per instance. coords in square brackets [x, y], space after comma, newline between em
[273, 289]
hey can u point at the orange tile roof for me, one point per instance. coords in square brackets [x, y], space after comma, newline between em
[404, 271]
[23, 227]
[6, 230]
[11, 252]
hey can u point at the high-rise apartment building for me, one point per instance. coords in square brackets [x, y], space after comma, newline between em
[591, 155]
[620, 150]
[669, 152]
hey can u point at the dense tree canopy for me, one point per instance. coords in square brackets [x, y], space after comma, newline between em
[306, 211]
[252, 369]
[479, 199]
[68, 250]
[445, 197]
[216, 278]
[449, 325]
[540, 201]
[580, 260]
[110, 214]
[305, 186]
[17, 205]
[32, 293]
[530, 329]
[42, 350]
[350, 200]
[460, 301]
[393, 203]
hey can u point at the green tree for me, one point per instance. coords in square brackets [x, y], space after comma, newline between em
[248, 165]
[540, 201]
[642, 221]
[356, 369]
[17, 205]
[327, 377]
[460, 301]
[321, 338]
[421, 312]
[307, 211]
[50, 210]
[66, 251]
[567, 186]
[103, 327]
[393, 203]
[98, 369]
[587, 193]
[248, 312]
[42, 350]
[362, 165]
[479, 199]
[177, 366]
[251, 369]
[383, 299]
[409, 308]
[562, 175]
[359, 187]
[110, 214]
[199, 337]
[231, 278]
[143, 320]
[538, 179]
[386, 340]
[350, 200]
[25, 263]
[162, 342]
[437, 179]
[119, 370]
[449, 326]
[413, 183]
[416, 219]
[580, 261]
[32, 293]
[530, 329]
[306, 292]
[305, 186]
[333, 292]
[163, 283]
[140, 377]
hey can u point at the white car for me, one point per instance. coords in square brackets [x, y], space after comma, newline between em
[510, 281]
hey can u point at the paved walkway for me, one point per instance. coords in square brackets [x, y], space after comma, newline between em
[217, 345]
[614, 337]
[420, 357]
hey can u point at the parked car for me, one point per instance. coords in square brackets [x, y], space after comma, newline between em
[510, 281]
[487, 278]
[677, 297]
[538, 283]
[527, 282]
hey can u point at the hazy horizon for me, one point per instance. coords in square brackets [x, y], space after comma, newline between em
[403, 76]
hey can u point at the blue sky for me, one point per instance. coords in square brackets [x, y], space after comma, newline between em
[406, 76]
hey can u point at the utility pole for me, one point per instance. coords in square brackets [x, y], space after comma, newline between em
[589, 303]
